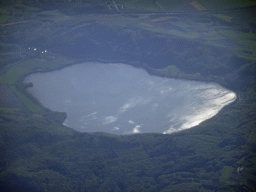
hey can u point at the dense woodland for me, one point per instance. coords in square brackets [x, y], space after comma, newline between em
[38, 153]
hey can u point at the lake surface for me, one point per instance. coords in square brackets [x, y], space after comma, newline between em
[121, 99]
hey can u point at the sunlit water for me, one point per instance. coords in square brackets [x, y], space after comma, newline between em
[121, 99]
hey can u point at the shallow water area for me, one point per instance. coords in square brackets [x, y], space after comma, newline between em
[121, 99]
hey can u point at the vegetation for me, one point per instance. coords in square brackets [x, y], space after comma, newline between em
[38, 153]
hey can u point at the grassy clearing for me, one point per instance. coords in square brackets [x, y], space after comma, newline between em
[248, 56]
[28, 103]
[190, 35]
[141, 5]
[55, 15]
[5, 109]
[26, 8]
[159, 5]
[16, 12]
[226, 4]
[198, 6]
[175, 5]
[19, 69]
[248, 51]
[246, 41]
[181, 24]
[228, 32]
[213, 35]
[253, 160]
[223, 17]
[215, 44]
[160, 19]
[226, 173]
[243, 161]
[171, 69]
[4, 15]
[12, 75]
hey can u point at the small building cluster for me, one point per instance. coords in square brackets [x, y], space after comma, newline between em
[239, 169]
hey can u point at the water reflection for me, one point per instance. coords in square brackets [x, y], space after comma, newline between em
[121, 99]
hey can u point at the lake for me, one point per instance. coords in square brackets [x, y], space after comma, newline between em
[121, 99]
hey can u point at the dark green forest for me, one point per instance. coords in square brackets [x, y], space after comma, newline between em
[199, 40]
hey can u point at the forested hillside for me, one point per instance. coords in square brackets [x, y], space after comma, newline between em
[195, 40]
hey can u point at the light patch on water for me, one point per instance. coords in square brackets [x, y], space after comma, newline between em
[65, 123]
[172, 118]
[132, 102]
[92, 116]
[116, 128]
[131, 121]
[217, 99]
[166, 89]
[109, 119]
[197, 118]
[94, 113]
[136, 129]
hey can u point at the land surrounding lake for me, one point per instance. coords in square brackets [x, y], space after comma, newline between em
[208, 42]
[9, 99]
[121, 99]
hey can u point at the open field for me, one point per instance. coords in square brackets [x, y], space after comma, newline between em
[32, 65]
[225, 4]
[35, 108]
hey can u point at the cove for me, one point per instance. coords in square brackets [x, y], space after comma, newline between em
[121, 99]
